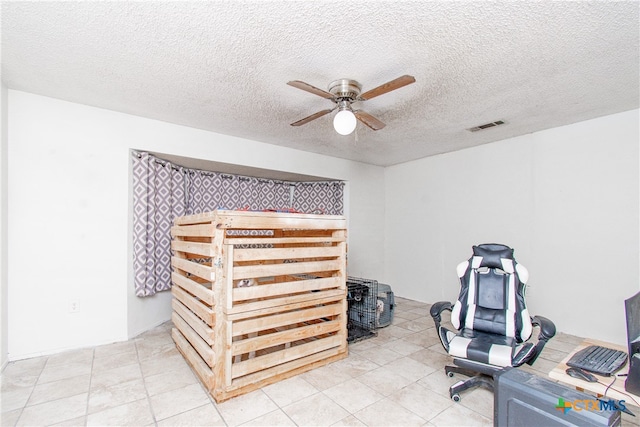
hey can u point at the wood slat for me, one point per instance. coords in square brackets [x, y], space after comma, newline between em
[256, 220]
[286, 370]
[205, 332]
[279, 240]
[282, 288]
[204, 217]
[284, 319]
[198, 344]
[267, 270]
[306, 233]
[286, 253]
[227, 278]
[322, 222]
[193, 359]
[205, 272]
[277, 338]
[202, 311]
[193, 287]
[204, 249]
[283, 356]
[267, 376]
[210, 216]
[279, 305]
[192, 230]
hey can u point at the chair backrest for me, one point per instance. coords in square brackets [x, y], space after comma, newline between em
[492, 293]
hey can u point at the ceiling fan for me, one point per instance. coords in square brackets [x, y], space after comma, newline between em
[343, 93]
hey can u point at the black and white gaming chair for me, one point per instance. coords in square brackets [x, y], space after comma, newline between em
[491, 319]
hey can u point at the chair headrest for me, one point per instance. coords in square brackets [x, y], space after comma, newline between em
[491, 254]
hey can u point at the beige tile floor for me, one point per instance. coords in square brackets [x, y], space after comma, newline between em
[394, 379]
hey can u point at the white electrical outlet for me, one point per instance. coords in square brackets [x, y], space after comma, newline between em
[74, 306]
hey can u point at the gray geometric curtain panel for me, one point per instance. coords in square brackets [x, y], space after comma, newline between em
[269, 194]
[324, 197]
[202, 191]
[158, 198]
[207, 191]
[163, 191]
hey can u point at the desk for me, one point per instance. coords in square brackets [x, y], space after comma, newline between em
[616, 391]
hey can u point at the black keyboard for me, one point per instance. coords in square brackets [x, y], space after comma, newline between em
[599, 360]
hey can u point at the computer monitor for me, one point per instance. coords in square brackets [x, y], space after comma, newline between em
[632, 311]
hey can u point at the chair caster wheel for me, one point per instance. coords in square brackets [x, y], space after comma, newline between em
[455, 397]
[450, 374]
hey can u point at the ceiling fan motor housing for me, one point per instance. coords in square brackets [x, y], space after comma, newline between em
[345, 88]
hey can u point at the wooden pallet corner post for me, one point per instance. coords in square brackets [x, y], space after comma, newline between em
[258, 296]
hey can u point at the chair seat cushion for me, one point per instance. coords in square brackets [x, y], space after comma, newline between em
[484, 347]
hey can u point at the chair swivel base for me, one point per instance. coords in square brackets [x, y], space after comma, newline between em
[475, 380]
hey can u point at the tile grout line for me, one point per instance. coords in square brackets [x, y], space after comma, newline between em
[206, 392]
[86, 411]
[346, 409]
[211, 401]
[144, 382]
[32, 390]
[277, 406]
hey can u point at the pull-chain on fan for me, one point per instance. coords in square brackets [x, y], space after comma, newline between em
[343, 93]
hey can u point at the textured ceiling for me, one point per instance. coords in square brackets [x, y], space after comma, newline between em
[223, 66]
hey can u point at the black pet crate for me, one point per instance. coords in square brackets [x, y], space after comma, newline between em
[362, 297]
[385, 307]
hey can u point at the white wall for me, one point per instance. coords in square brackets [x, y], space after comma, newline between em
[566, 199]
[69, 226]
[4, 287]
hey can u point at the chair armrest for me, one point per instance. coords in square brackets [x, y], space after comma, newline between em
[547, 330]
[437, 309]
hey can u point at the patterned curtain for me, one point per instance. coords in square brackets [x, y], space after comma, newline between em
[324, 197]
[158, 189]
[200, 197]
[208, 191]
[268, 194]
[163, 191]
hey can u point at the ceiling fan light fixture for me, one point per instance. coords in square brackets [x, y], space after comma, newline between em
[344, 122]
[343, 93]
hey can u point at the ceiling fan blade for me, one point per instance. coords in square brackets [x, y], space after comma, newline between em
[369, 120]
[312, 89]
[311, 117]
[387, 87]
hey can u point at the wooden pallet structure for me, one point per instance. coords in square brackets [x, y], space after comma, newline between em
[258, 296]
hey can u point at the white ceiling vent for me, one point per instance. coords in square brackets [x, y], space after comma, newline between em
[486, 126]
